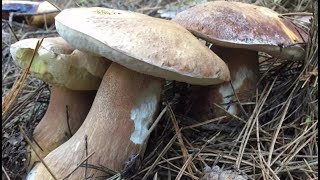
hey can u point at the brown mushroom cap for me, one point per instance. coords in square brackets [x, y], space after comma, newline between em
[240, 25]
[141, 43]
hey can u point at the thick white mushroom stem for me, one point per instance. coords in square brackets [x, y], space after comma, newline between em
[66, 112]
[115, 129]
[244, 69]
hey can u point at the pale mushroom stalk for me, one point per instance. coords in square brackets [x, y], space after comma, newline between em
[66, 111]
[244, 72]
[74, 77]
[144, 50]
[116, 126]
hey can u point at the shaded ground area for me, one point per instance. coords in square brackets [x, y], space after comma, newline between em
[283, 116]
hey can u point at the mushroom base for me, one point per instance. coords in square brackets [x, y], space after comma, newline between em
[115, 129]
[66, 112]
[244, 70]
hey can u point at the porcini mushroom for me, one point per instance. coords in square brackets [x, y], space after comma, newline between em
[237, 32]
[143, 49]
[73, 75]
[29, 10]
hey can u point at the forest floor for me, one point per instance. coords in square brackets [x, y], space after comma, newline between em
[275, 137]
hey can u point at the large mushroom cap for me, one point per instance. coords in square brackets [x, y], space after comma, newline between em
[240, 25]
[57, 63]
[144, 44]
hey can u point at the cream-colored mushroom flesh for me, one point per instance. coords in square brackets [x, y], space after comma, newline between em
[73, 75]
[247, 26]
[144, 44]
[59, 64]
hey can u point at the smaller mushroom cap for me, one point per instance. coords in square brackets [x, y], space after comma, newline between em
[241, 25]
[58, 64]
[27, 10]
[20, 6]
[141, 43]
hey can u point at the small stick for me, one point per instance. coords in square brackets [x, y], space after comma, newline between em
[35, 141]
[45, 21]
[203, 123]
[259, 150]
[179, 136]
[85, 159]
[155, 177]
[29, 142]
[165, 149]
[290, 157]
[170, 163]
[11, 29]
[237, 98]
[68, 123]
[295, 141]
[286, 107]
[86, 144]
[5, 172]
[183, 168]
[250, 125]
[308, 166]
[157, 120]
[228, 113]
[271, 170]
[297, 14]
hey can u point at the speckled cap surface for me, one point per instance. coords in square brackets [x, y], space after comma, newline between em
[142, 43]
[240, 25]
[59, 64]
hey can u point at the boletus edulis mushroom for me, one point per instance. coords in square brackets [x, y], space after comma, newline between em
[145, 51]
[74, 77]
[34, 13]
[238, 31]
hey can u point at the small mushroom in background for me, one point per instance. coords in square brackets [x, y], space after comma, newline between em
[237, 32]
[144, 50]
[74, 77]
[27, 11]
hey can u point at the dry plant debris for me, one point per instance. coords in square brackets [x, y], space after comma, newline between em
[278, 139]
[215, 173]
